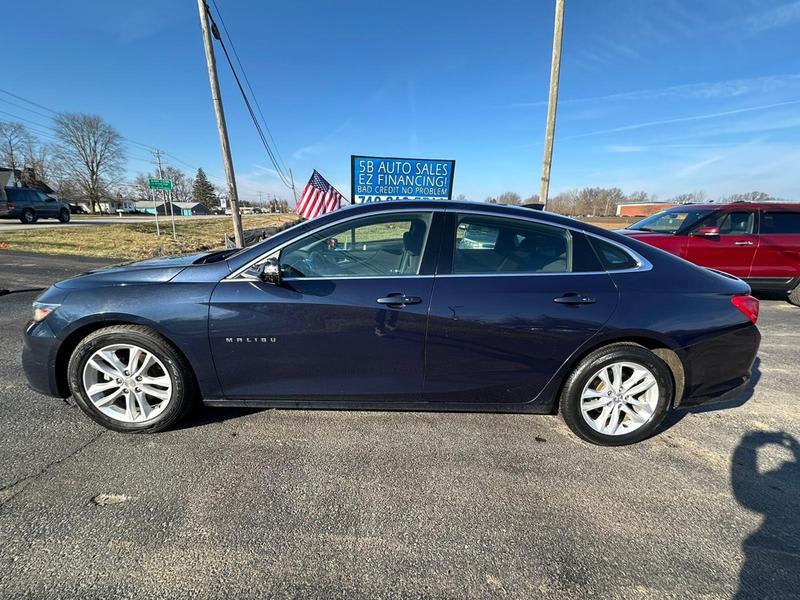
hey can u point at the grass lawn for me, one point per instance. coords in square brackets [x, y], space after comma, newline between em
[609, 222]
[139, 240]
[135, 240]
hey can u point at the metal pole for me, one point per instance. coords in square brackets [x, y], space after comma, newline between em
[171, 214]
[155, 208]
[552, 103]
[211, 62]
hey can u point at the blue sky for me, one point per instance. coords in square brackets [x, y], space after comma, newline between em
[667, 96]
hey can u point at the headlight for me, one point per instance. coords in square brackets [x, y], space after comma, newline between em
[41, 310]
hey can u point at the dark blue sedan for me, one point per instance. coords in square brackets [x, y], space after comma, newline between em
[403, 305]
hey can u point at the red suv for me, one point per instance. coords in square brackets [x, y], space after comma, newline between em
[758, 242]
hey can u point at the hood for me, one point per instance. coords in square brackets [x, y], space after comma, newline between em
[637, 233]
[152, 270]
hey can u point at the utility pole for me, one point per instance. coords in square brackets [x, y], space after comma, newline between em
[211, 62]
[294, 190]
[552, 103]
[161, 176]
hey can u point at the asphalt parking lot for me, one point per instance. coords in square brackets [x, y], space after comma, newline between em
[244, 503]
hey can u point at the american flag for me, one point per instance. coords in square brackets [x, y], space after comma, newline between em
[318, 198]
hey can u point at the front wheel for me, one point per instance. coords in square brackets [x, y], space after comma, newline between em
[617, 395]
[64, 216]
[130, 379]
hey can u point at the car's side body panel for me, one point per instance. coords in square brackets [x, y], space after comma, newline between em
[319, 338]
[501, 338]
[178, 311]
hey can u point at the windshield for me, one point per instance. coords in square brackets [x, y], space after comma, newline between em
[670, 221]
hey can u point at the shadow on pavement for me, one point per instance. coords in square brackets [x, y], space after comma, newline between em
[771, 566]
[675, 416]
[205, 415]
[771, 295]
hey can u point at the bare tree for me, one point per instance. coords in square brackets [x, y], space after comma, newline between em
[90, 152]
[181, 184]
[14, 137]
[747, 197]
[509, 198]
[38, 158]
[690, 198]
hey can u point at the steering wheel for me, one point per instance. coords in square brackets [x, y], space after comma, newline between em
[318, 263]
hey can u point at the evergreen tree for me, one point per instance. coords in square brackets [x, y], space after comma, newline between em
[203, 191]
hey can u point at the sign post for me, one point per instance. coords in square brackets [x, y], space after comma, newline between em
[374, 179]
[160, 184]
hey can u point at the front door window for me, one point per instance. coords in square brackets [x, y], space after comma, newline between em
[379, 246]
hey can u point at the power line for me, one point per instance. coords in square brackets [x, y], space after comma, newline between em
[56, 113]
[266, 145]
[247, 81]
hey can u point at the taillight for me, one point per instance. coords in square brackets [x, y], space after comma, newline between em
[748, 305]
[10, 204]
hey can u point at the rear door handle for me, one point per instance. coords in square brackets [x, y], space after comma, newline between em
[399, 300]
[743, 243]
[573, 298]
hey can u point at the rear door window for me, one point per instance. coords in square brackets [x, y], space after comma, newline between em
[773, 222]
[486, 244]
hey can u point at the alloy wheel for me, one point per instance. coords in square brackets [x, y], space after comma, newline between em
[127, 383]
[619, 398]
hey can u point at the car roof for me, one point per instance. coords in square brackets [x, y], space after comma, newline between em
[508, 210]
[737, 206]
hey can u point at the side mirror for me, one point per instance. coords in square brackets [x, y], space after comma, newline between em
[271, 272]
[706, 232]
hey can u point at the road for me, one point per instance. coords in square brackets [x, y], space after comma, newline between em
[334, 504]
[11, 225]
[29, 270]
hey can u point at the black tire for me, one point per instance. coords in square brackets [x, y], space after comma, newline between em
[569, 403]
[794, 295]
[64, 215]
[179, 371]
[28, 216]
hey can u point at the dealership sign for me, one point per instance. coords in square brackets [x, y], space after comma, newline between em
[373, 179]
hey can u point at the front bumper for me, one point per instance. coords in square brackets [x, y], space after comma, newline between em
[39, 355]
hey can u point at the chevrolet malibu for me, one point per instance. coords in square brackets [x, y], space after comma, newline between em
[413, 305]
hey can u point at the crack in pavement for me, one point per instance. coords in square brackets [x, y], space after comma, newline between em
[9, 490]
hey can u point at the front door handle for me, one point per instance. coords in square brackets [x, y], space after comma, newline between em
[573, 298]
[399, 300]
[744, 243]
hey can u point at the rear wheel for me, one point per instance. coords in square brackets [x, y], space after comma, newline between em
[64, 216]
[28, 216]
[130, 379]
[794, 295]
[617, 395]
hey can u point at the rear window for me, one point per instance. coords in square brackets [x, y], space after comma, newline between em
[780, 222]
[613, 258]
[16, 194]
